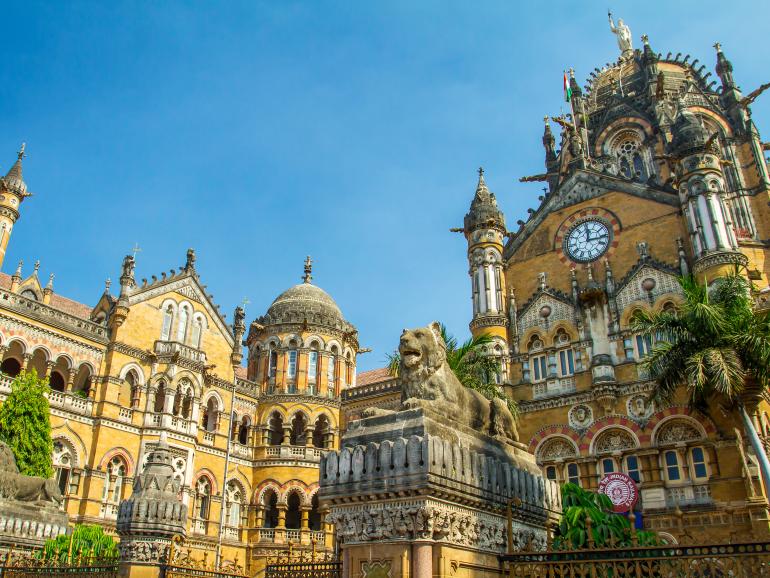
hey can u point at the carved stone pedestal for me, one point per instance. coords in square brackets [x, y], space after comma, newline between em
[27, 525]
[413, 494]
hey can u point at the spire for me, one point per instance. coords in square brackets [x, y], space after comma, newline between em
[483, 207]
[190, 262]
[13, 181]
[577, 92]
[549, 143]
[50, 282]
[308, 277]
[724, 68]
[648, 55]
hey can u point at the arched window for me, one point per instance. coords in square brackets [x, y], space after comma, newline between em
[168, 318]
[83, 381]
[134, 388]
[312, 370]
[291, 368]
[331, 369]
[573, 474]
[628, 152]
[275, 429]
[63, 460]
[270, 505]
[187, 399]
[10, 367]
[113, 482]
[273, 364]
[243, 430]
[211, 415]
[29, 294]
[538, 360]
[197, 332]
[202, 498]
[314, 518]
[56, 381]
[181, 331]
[632, 468]
[233, 504]
[293, 515]
[160, 398]
[298, 425]
[320, 431]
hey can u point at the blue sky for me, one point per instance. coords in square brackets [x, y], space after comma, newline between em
[260, 132]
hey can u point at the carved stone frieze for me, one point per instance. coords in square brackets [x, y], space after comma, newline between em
[614, 440]
[35, 335]
[427, 520]
[677, 431]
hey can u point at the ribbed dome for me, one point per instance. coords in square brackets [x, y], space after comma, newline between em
[303, 299]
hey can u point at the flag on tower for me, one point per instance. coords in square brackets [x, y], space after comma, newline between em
[567, 89]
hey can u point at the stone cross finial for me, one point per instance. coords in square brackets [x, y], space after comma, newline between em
[481, 171]
[308, 277]
[21, 152]
[541, 280]
[718, 46]
[107, 284]
[37, 266]
[190, 261]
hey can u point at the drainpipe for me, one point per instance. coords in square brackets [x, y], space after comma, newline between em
[224, 479]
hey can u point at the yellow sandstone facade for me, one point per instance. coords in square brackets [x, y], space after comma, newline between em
[658, 174]
[159, 357]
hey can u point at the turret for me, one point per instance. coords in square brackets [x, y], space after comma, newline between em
[239, 328]
[484, 229]
[702, 190]
[13, 191]
[127, 283]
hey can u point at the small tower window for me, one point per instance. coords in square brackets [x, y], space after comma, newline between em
[197, 331]
[181, 331]
[168, 317]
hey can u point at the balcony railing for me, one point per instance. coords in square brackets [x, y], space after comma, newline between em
[109, 511]
[231, 533]
[171, 347]
[241, 450]
[5, 383]
[71, 402]
[126, 414]
[199, 526]
[553, 387]
[688, 496]
[266, 534]
[306, 453]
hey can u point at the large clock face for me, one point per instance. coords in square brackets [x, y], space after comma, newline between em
[587, 241]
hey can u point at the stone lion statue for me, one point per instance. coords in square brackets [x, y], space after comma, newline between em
[19, 488]
[427, 381]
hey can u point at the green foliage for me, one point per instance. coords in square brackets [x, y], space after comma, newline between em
[711, 344]
[468, 362]
[608, 529]
[25, 425]
[89, 542]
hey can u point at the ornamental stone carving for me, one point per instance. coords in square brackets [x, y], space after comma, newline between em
[581, 416]
[556, 448]
[420, 521]
[677, 431]
[640, 408]
[614, 440]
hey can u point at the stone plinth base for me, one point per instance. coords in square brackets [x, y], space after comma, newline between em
[413, 495]
[142, 556]
[25, 525]
[129, 570]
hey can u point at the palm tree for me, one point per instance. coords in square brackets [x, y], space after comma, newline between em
[469, 363]
[716, 345]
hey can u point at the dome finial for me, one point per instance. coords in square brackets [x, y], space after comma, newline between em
[308, 277]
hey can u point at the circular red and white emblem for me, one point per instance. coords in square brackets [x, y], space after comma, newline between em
[621, 491]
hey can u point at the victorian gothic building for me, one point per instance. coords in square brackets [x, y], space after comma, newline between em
[658, 172]
[157, 359]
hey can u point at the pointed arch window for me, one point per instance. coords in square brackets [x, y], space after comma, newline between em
[113, 482]
[168, 318]
[197, 332]
[203, 498]
[181, 331]
[234, 500]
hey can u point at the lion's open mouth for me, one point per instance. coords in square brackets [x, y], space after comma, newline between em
[410, 354]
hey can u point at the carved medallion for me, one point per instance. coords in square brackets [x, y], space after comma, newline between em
[581, 416]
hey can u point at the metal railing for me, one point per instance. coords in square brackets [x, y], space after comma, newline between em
[747, 560]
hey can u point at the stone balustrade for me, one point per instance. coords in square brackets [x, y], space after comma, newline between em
[71, 402]
[292, 453]
[398, 464]
[185, 351]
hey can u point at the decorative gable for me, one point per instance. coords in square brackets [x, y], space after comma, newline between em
[633, 287]
[533, 314]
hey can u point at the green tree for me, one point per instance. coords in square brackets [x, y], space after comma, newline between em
[716, 346]
[607, 527]
[25, 425]
[468, 362]
[89, 542]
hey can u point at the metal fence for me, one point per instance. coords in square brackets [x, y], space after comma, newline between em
[305, 570]
[188, 572]
[29, 567]
[746, 560]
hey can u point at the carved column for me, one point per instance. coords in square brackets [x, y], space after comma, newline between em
[422, 560]
[48, 368]
[308, 436]
[27, 357]
[282, 508]
[286, 435]
[71, 374]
